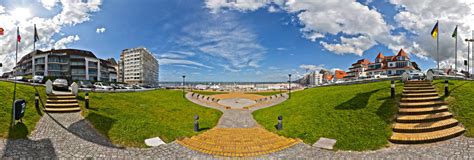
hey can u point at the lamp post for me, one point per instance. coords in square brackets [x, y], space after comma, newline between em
[289, 86]
[183, 85]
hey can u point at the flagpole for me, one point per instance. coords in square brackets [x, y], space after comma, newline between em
[14, 78]
[34, 54]
[437, 47]
[456, 51]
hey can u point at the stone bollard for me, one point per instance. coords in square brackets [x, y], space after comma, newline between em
[446, 87]
[392, 89]
[196, 123]
[192, 95]
[74, 88]
[87, 100]
[280, 124]
[37, 100]
[49, 87]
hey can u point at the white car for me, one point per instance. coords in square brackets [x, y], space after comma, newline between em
[383, 75]
[100, 85]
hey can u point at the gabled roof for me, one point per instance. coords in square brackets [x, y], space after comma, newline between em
[380, 55]
[402, 53]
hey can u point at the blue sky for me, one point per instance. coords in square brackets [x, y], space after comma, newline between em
[227, 43]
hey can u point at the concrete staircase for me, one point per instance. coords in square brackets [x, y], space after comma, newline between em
[238, 142]
[423, 117]
[62, 102]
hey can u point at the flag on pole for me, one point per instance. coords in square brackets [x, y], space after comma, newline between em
[36, 37]
[455, 33]
[1, 31]
[18, 37]
[434, 32]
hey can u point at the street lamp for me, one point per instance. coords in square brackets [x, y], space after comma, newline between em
[183, 85]
[289, 86]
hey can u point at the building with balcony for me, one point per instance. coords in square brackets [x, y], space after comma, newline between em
[358, 69]
[71, 64]
[392, 65]
[138, 66]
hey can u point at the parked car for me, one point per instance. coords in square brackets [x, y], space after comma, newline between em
[416, 75]
[86, 84]
[36, 79]
[60, 84]
[102, 85]
[381, 75]
[17, 78]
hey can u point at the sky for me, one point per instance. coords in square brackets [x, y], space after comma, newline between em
[241, 40]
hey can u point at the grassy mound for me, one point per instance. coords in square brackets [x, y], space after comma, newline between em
[128, 119]
[32, 115]
[357, 116]
[461, 100]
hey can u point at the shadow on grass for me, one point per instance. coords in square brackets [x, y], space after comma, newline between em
[359, 101]
[451, 90]
[102, 123]
[19, 130]
[203, 129]
[388, 109]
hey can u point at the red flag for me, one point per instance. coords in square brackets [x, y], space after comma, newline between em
[1, 31]
[18, 37]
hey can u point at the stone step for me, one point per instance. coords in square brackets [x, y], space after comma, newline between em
[61, 105]
[409, 99]
[423, 117]
[424, 127]
[421, 91]
[419, 94]
[61, 97]
[421, 104]
[69, 109]
[416, 82]
[424, 110]
[426, 137]
[418, 88]
[61, 101]
[418, 85]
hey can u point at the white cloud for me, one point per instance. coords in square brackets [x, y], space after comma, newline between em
[166, 61]
[356, 45]
[310, 67]
[61, 44]
[100, 30]
[223, 39]
[354, 19]
[73, 12]
[49, 4]
[419, 17]
[2, 9]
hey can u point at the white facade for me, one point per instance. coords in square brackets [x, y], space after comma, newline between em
[139, 67]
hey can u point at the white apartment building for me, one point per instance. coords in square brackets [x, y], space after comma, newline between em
[138, 66]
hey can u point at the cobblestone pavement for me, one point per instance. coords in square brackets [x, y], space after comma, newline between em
[68, 136]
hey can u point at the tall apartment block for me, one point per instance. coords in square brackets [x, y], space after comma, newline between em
[138, 66]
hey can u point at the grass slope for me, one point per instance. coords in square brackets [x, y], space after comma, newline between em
[357, 116]
[461, 100]
[32, 115]
[128, 119]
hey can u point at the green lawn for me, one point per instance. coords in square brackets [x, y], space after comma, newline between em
[128, 119]
[267, 93]
[461, 100]
[208, 92]
[32, 115]
[357, 116]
